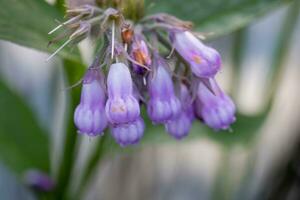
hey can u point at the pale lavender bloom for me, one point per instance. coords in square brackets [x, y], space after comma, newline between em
[140, 53]
[39, 180]
[216, 108]
[121, 106]
[203, 60]
[128, 133]
[163, 104]
[89, 115]
[180, 126]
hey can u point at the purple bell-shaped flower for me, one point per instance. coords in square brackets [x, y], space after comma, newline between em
[163, 104]
[121, 106]
[180, 126]
[203, 60]
[89, 115]
[215, 107]
[128, 133]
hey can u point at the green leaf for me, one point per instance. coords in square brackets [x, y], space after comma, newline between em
[243, 132]
[74, 72]
[217, 16]
[27, 22]
[23, 144]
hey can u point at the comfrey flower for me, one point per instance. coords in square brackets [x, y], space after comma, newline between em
[129, 72]
[180, 126]
[203, 60]
[140, 53]
[128, 133]
[121, 106]
[89, 115]
[163, 104]
[215, 107]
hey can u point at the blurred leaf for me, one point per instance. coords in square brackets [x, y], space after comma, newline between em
[218, 16]
[11, 188]
[243, 132]
[74, 72]
[23, 144]
[27, 22]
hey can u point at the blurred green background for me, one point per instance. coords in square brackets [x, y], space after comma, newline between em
[259, 41]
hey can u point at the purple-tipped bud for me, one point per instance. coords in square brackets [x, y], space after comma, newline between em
[216, 108]
[121, 106]
[89, 115]
[204, 61]
[128, 133]
[163, 104]
[181, 125]
[39, 180]
[140, 53]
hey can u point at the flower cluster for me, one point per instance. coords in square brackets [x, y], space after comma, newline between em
[132, 70]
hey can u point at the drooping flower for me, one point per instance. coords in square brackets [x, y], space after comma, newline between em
[140, 53]
[128, 133]
[163, 104]
[121, 106]
[180, 126]
[148, 79]
[89, 115]
[216, 108]
[203, 60]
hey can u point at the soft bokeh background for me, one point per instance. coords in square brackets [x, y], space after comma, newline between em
[258, 159]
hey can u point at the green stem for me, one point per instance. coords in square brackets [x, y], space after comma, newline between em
[282, 46]
[73, 73]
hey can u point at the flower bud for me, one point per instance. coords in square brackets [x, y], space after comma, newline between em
[89, 115]
[140, 53]
[204, 61]
[121, 106]
[216, 108]
[163, 104]
[180, 126]
[128, 133]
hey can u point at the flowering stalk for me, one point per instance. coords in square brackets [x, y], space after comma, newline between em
[133, 73]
